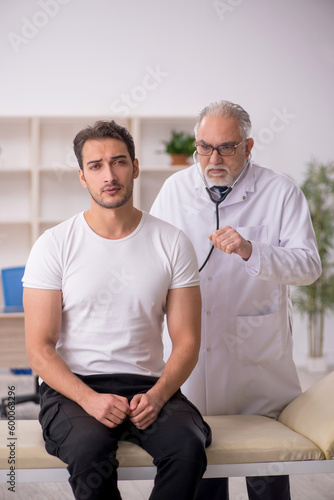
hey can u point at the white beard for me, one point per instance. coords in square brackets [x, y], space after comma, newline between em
[218, 179]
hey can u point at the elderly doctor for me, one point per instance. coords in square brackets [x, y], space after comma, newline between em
[253, 236]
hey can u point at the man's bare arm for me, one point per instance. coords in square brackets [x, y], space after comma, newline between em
[184, 326]
[43, 315]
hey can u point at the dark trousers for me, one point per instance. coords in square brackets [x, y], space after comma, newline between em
[259, 488]
[176, 441]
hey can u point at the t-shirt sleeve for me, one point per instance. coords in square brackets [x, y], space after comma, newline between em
[43, 268]
[185, 265]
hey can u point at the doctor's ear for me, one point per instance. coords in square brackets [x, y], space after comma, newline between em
[249, 146]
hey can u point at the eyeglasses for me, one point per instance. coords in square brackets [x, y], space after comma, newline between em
[223, 150]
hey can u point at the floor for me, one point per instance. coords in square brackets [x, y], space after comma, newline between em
[303, 487]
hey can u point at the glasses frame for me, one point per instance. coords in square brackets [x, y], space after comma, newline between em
[235, 146]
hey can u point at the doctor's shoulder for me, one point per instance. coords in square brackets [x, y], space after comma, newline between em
[173, 192]
[266, 178]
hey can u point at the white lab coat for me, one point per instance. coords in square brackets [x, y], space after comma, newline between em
[245, 363]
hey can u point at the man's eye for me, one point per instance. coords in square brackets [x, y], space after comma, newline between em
[205, 147]
[94, 167]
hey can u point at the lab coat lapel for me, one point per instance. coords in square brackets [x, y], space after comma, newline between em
[238, 194]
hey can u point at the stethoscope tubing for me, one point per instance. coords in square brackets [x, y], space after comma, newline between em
[217, 203]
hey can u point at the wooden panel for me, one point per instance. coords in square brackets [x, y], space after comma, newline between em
[12, 342]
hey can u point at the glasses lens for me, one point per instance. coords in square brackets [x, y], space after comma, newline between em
[226, 150]
[223, 150]
[204, 149]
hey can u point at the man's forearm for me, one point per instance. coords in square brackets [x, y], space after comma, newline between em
[109, 409]
[54, 371]
[177, 369]
[184, 327]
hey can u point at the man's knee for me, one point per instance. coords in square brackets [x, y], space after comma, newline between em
[92, 450]
[181, 430]
[192, 441]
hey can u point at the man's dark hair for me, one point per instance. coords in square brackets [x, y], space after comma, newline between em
[98, 132]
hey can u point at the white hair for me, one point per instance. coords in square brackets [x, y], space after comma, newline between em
[227, 109]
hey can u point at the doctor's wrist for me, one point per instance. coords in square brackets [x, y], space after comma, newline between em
[248, 252]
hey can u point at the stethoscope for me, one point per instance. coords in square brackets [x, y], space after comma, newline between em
[217, 202]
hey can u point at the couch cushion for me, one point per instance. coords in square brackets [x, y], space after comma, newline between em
[255, 438]
[312, 415]
[236, 439]
[30, 450]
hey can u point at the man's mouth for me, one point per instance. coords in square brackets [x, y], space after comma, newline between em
[111, 189]
[216, 170]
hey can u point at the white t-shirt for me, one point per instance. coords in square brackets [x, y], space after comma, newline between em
[114, 291]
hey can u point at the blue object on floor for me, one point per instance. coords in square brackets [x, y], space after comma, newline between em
[21, 371]
[12, 288]
[12, 293]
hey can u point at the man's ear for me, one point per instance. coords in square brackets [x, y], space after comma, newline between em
[249, 146]
[82, 178]
[135, 168]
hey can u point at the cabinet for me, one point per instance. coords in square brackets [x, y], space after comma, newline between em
[39, 185]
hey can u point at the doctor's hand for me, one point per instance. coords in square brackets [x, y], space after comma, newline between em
[230, 241]
[144, 410]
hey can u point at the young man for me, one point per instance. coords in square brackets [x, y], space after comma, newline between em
[264, 243]
[96, 289]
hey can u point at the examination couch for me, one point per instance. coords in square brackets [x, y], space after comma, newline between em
[301, 441]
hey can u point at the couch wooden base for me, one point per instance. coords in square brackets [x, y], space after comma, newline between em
[148, 473]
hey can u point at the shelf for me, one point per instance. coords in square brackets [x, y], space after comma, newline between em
[53, 189]
[50, 222]
[43, 225]
[15, 242]
[39, 182]
[151, 182]
[14, 170]
[56, 143]
[60, 167]
[152, 132]
[167, 170]
[14, 221]
[15, 143]
[15, 203]
[56, 140]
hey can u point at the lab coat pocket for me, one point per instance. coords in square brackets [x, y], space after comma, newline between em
[259, 338]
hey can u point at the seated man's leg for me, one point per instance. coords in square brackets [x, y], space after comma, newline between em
[86, 445]
[177, 441]
[268, 488]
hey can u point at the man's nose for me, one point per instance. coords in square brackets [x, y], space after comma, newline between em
[215, 157]
[110, 173]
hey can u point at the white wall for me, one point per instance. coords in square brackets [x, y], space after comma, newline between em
[275, 58]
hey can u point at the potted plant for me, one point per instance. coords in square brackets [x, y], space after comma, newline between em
[180, 146]
[316, 299]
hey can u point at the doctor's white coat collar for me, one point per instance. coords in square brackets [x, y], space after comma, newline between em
[239, 193]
